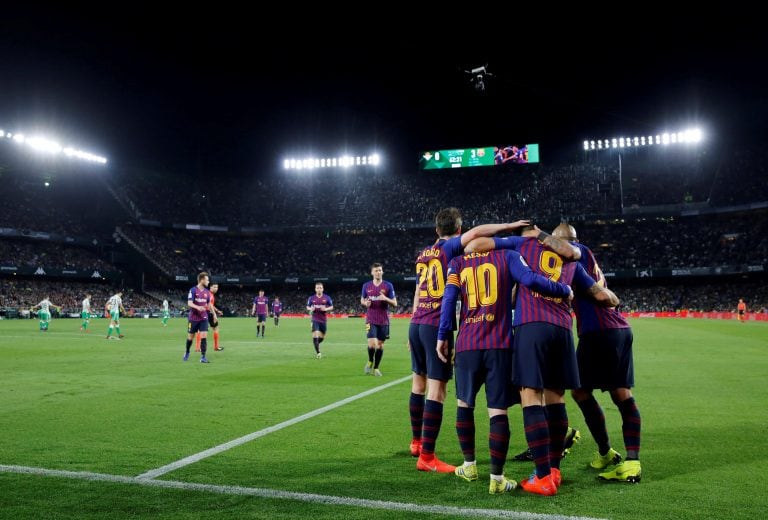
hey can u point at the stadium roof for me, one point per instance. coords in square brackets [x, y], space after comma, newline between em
[218, 92]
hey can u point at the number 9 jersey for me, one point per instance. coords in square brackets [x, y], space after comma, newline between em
[485, 281]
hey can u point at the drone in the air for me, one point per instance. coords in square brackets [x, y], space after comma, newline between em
[477, 77]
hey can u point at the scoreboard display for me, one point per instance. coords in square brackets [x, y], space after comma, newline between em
[484, 156]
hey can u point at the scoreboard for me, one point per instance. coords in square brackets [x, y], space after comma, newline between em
[484, 156]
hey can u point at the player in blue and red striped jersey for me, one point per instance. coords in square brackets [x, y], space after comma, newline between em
[377, 296]
[199, 302]
[484, 348]
[545, 359]
[605, 362]
[277, 310]
[319, 305]
[260, 310]
[430, 374]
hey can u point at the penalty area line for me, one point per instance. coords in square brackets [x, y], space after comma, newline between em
[330, 500]
[186, 461]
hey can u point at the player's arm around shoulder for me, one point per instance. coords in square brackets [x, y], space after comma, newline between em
[586, 284]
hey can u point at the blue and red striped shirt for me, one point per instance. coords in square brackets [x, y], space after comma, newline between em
[377, 313]
[432, 269]
[589, 316]
[315, 302]
[201, 297]
[262, 304]
[531, 305]
[485, 281]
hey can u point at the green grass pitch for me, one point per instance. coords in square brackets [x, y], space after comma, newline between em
[76, 402]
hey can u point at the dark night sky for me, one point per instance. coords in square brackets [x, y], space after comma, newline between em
[226, 95]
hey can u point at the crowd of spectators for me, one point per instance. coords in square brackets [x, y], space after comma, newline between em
[572, 190]
[41, 253]
[701, 241]
[76, 205]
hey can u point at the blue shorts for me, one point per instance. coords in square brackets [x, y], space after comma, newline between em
[319, 326]
[605, 359]
[380, 332]
[424, 360]
[261, 318]
[544, 357]
[197, 326]
[490, 367]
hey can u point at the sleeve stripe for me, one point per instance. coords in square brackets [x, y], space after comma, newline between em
[453, 279]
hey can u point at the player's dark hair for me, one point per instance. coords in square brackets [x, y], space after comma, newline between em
[448, 221]
[521, 230]
[375, 265]
[202, 275]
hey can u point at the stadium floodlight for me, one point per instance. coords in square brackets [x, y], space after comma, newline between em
[343, 161]
[50, 146]
[690, 135]
[44, 145]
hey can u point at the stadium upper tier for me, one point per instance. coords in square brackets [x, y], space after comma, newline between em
[585, 188]
[677, 243]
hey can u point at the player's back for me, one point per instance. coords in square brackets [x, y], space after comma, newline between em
[432, 269]
[591, 317]
[486, 309]
[534, 307]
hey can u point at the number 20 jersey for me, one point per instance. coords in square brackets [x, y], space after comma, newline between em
[432, 272]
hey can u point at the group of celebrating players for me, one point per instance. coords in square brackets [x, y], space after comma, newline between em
[514, 337]
[524, 356]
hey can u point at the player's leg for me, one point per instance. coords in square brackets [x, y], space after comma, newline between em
[624, 380]
[216, 345]
[629, 470]
[111, 326]
[370, 334]
[203, 328]
[498, 393]
[418, 387]
[528, 365]
[382, 334]
[44, 317]
[438, 375]
[191, 330]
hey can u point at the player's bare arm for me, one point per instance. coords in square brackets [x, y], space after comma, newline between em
[604, 296]
[488, 230]
[480, 245]
[565, 249]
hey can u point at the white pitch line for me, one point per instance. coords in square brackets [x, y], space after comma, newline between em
[291, 495]
[186, 461]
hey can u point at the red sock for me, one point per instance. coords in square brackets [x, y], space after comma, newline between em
[215, 339]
